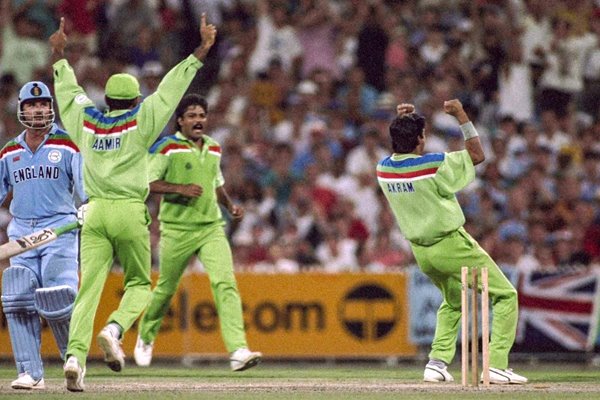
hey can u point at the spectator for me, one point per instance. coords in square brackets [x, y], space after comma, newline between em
[562, 78]
[276, 39]
[127, 19]
[372, 45]
[381, 255]
[337, 253]
[22, 53]
[357, 96]
[145, 48]
[80, 19]
[515, 86]
[361, 159]
[317, 25]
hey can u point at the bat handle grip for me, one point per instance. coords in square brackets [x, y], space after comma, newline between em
[66, 228]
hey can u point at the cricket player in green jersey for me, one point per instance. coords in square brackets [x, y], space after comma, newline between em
[114, 146]
[420, 189]
[185, 168]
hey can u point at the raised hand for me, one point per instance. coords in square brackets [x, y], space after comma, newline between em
[208, 33]
[455, 108]
[58, 40]
[404, 108]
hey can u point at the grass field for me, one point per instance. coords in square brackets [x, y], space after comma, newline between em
[291, 381]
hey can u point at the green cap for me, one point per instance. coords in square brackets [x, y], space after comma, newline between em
[122, 87]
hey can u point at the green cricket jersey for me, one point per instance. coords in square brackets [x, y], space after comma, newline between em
[421, 192]
[176, 159]
[115, 145]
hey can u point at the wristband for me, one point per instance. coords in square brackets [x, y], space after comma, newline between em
[468, 130]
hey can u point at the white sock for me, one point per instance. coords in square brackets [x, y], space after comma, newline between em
[437, 363]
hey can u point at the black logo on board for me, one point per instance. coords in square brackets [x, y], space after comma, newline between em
[369, 312]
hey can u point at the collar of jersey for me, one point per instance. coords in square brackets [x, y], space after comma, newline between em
[21, 137]
[403, 156]
[181, 136]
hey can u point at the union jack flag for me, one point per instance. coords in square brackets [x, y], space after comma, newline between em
[558, 310]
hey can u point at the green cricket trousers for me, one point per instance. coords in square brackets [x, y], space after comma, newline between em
[209, 243]
[442, 263]
[111, 227]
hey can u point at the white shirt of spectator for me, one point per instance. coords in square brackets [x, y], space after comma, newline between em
[274, 43]
[344, 261]
[573, 52]
[515, 92]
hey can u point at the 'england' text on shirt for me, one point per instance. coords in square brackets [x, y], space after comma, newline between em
[36, 172]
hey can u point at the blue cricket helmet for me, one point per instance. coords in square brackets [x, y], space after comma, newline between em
[35, 90]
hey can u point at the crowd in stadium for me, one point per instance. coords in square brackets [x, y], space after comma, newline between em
[301, 93]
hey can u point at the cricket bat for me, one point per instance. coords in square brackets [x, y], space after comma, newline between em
[34, 240]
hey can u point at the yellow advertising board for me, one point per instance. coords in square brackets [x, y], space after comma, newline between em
[297, 316]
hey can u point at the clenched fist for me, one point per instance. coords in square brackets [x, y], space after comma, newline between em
[405, 108]
[455, 108]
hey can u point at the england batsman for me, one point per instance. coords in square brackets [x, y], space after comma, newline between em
[42, 168]
[114, 146]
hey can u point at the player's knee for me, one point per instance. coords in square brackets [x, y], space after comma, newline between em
[164, 292]
[68, 276]
[18, 287]
[224, 285]
[55, 303]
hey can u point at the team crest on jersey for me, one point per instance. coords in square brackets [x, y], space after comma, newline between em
[188, 166]
[54, 156]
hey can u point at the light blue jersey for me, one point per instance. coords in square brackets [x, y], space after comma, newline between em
[42, 282]
[43, 183]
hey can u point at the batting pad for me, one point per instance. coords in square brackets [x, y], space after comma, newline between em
[55, 304]
[18, 288]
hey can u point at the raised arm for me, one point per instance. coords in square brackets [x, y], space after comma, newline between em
[70, 97]
[58, 42]
[472, 143]
[208, 33]
[157, 108]
[405, 108]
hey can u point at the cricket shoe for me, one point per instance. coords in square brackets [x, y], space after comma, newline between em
[505, 377]
[242, 359]
[434, 373]
[25, 381]
[73, 375]
[142, 354]
[110, 345]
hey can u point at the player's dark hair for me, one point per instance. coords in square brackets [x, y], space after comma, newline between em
[405, 132]
[116, 104]
[189, 100]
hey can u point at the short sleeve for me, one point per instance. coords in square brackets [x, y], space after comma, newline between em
[219, 179]
[455, 172]
[157, 166]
